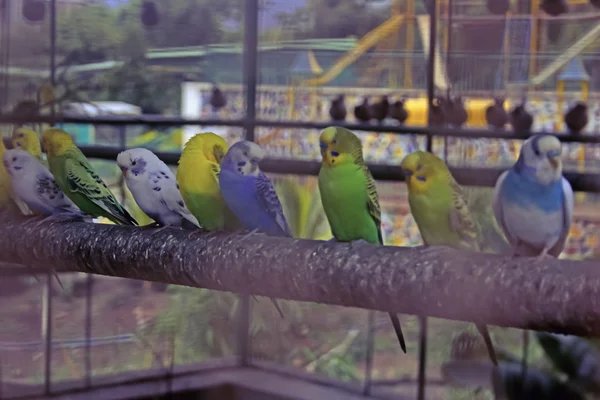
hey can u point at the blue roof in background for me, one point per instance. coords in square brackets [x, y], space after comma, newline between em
[574, 71]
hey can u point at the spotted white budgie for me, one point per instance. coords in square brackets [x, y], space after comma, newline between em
[154, 188]
[34, 184]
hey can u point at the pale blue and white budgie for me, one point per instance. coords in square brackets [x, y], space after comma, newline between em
[533, 202]
[154, 188]
[249, 193]
[34, 184]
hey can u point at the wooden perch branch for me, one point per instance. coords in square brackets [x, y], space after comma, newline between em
[558, 296]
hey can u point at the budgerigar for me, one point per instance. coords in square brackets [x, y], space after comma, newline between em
[440, 209]
[154, 188]
[250, 194]
[78, 180]
[533, 202]
[26, 139]
[5, 184]
[198, 179]
[34, 184]
[349, 195]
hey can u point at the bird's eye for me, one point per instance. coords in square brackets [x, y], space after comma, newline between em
[14, 159]
[133, 162]
[333, 141]
[419, 166]
[21, 135]
[246, 153]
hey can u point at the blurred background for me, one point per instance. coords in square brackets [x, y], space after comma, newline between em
[97, 63]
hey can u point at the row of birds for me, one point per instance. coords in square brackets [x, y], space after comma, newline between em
[218, 187]
[451, 111]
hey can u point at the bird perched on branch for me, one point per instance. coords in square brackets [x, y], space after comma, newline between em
[27, 139]
[198, 179]
[495, 114]
[250, 194]
[6, 192]
[33, 184]
[349, 195]
[78, 180]
[398, 112]
[440, 209]
[555, 7]
[154, 188]
[520, 119]
[437, 115]
[533, 202]
[379, 110]
[577, 118]
[217, 99]
[337, 111]
[455, 112]
[362, 112]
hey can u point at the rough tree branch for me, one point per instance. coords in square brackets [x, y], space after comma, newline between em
[559, 296]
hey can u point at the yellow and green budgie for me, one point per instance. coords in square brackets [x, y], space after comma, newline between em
[26, 139]
[78, 180]
[6, 202]
[198, 180]
[349, 195]
[441, 210]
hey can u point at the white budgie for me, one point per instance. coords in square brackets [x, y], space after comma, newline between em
[155, 188]
[34, 184]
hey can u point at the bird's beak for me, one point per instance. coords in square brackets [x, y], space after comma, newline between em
[407, 174]
[124, 171]
[327, 159]
[554, 161]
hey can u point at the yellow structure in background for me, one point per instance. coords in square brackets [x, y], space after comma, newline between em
[417, 111]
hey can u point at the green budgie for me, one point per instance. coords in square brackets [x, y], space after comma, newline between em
[349, 195]
[441, 211]
[78, 180]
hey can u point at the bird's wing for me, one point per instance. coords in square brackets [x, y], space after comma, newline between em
[267, 198]
[568, 205]
[82, 179]
[373, 201]
[50, 194]
[491, 237]
[165, 188]
[498, 209]
[461, 221]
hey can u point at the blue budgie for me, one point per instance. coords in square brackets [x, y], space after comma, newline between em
[533, 202]
[250, 194]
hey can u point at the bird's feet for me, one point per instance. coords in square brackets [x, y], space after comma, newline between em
[249, 234]
[359, 242]
[151, 225]
[438, 250]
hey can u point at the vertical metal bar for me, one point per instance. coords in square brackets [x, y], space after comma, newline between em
[88, 329]
[449, 35]
[250, 64]
[122, 145]
[244, 311]
[431, 66]
[422, 358]
[370, 350]
[53, 56]
[47, 331]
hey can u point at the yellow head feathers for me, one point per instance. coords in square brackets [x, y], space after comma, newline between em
[27, 139]
[212, 146]
[340, 146]
[56, 141]
[421, 169]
